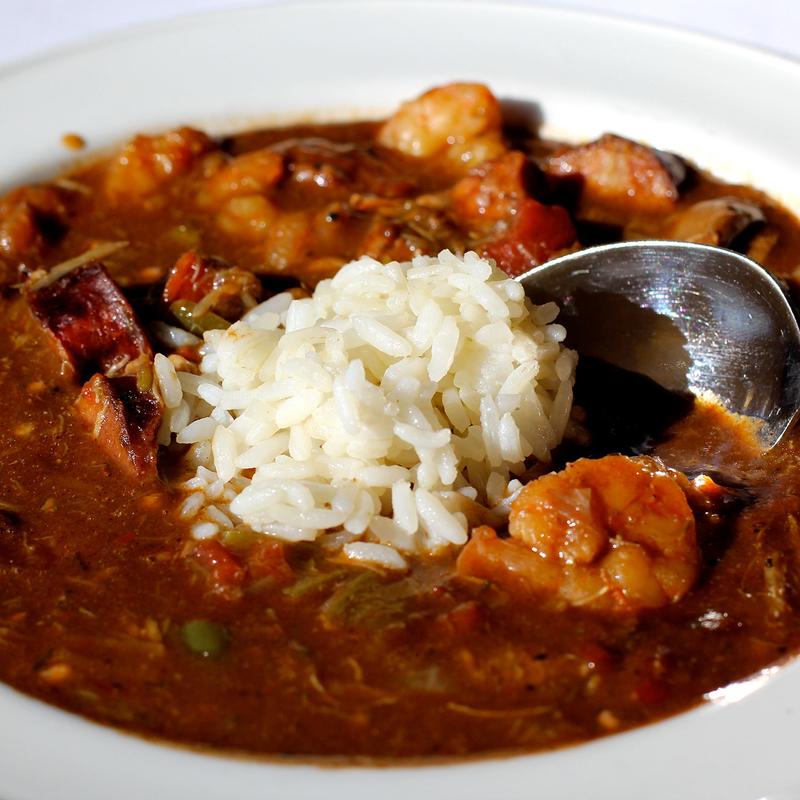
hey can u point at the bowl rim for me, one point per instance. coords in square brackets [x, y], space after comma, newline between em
[137, 30]
[475, 776]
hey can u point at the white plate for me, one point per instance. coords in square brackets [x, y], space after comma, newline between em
[730, 109]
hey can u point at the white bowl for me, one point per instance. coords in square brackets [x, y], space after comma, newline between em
[730, 109]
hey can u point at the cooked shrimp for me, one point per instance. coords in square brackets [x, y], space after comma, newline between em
[247, 217]
[614, 535]
[491, 193]
[288, 240]
[460, 121]
[249, 174]
[148, 162]
[236, 189]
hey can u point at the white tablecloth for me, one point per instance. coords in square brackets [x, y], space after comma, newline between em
[30, 27]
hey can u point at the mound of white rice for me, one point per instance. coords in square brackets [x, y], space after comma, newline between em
[384, 415]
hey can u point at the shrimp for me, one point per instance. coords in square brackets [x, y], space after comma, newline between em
[614, 535]
[288, 241]
[235, 189]
[246, 217]
[459, 121]
[145, 164]
[249, 174]
[491, 193]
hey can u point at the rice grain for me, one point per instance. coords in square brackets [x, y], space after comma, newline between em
[383, 415]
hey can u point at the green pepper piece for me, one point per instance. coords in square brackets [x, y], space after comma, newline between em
[183, 311]
[341, 605]
[311, 583]
[240, 540]
[206, 639]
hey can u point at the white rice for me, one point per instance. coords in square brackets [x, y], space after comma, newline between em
[168, 382]
[362, 413]
[173, 337]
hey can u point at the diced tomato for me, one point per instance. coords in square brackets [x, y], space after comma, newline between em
[651, 691]
[268, 559]
[125, 538]
[195, 276]
[463, 619]
[537, 233]
[192, 278]
[225, 572]
[596, 656]
[190, 353]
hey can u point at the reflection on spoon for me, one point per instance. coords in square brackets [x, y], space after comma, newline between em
[690, 317]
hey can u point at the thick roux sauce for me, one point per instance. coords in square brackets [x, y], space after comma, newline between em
[95, 582]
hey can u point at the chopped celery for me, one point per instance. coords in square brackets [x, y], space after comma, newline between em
[144, 377]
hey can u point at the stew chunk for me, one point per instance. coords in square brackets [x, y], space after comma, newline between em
[102, 340]
[221, 288]
[91, 319]
[31, 217]
[620, 175]
[615, 535]
[520, 232]
[124, 420]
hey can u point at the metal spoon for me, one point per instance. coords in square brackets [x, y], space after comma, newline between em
[689, 316]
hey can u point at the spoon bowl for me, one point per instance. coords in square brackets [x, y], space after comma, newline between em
[691, 317]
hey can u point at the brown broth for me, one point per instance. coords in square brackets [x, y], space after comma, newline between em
[96, 579]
